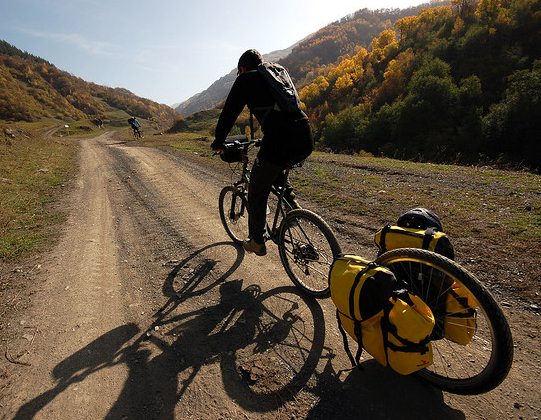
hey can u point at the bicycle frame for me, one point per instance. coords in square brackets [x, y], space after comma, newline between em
[279, 192]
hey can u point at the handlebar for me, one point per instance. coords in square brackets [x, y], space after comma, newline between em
[240, 141]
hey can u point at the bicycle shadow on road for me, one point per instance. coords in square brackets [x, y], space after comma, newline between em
[267, 344]
[376, 392]
[264, 344]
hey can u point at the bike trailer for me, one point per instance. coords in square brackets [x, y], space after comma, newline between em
[393, 325]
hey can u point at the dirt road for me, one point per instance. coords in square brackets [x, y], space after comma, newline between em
[145, 310]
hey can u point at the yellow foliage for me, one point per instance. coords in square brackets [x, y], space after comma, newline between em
[405, 26]
[459, 26]
[311, 93]
[344, 82]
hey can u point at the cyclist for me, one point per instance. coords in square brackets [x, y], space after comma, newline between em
[135, 125]
[287, 139]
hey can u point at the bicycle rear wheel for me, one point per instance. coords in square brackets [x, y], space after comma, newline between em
[307, 249]
[481, 364]
[234, 213]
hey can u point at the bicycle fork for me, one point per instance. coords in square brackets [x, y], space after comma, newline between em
[238, 191]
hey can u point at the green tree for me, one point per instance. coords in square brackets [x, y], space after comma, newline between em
[512, 125]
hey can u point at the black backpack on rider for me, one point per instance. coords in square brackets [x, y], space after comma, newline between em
[282, 87]
[289, 114]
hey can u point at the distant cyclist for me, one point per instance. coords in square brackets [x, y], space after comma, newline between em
[286, 137]
[135, 125]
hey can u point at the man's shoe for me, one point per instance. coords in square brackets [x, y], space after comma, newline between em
[252, 246]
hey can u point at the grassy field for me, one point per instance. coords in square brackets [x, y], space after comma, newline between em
[32, 171]
[482, 201]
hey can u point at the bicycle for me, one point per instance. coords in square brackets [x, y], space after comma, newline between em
[137, 134]
[306, 244]
[473, 368]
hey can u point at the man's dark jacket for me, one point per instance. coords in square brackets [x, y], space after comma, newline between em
[287, 138]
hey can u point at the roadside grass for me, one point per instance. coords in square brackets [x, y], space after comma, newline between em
[498, 204]
[195, 143]
[78, 130]
[32, 170]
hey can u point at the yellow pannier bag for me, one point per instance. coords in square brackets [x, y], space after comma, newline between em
[392, 237]
[460, 320]
[392, 325]
[360, 290]
[410, 323]
[370, 334]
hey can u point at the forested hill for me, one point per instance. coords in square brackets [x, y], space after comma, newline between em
[32, 88]
[318, 53]
[310, 56]
[454, 84]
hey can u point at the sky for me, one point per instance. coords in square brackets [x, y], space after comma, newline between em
[164, 50]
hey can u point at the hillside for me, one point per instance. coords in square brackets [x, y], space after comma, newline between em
[460, 84]
[305, 58]
[32, 88]
[328, 46]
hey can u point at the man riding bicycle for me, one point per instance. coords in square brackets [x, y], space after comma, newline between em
[287, 140]
[135, 125]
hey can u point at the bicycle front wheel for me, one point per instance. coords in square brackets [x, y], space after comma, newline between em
[484, 358]
[307, 249]
[234, 213]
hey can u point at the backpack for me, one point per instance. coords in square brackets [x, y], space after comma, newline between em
[281, 86]
[391, 324]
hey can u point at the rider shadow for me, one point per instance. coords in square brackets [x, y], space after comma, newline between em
[209, 319]
[106, 351]
[378, 393]
[112, 349]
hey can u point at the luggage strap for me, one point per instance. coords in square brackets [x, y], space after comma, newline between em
[355, 362]
[429, 235]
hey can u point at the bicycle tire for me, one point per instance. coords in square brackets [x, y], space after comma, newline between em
[236, 222]
[307, 248]
[473, 368]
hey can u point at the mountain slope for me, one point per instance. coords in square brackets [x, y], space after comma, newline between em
[451, 84]
[32, 88]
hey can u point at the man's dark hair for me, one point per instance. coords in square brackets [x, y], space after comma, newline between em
[250, 60]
